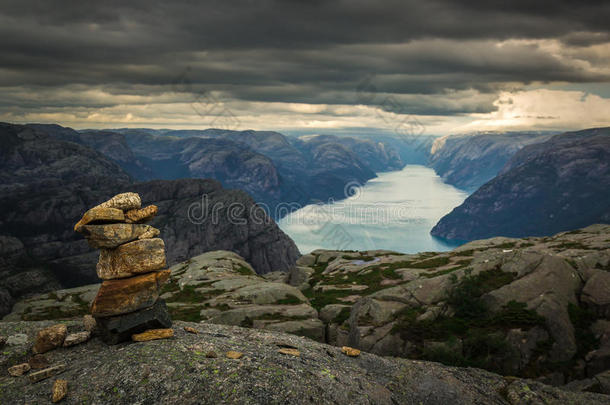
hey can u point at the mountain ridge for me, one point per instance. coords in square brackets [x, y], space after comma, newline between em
[561, 184]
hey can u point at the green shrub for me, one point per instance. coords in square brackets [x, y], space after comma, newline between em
[469, 252]
[481, 332]
[582, 319]
[342, 316]
[289, 300]
[430, 263]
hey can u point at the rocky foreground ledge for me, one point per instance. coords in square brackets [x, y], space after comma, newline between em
[195, 368]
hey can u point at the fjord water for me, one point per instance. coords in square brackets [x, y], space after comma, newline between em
[394, 211]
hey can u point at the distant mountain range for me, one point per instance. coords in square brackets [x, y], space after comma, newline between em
[547, 187]
[270, 166]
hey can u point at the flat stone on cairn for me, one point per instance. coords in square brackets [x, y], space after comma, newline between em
[132, 266]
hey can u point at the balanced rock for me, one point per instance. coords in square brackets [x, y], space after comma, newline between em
[131, 265]
[116, 329]
[150, 234]
[141, 215]
[126, 295]
[110, 236]
[133, 258]
[100, 215]
[124, 201]
[50, 338]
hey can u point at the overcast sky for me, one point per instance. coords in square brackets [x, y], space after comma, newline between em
[307, 65]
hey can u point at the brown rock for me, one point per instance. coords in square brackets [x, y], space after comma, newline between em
[211, 355]
[140, 256]
[124, 201]
[60, 389]
[19, 369]
[151, 233]
[76, 338]
[38, 361]
[120, 328]
[153, 334]
[127, 295]
[46, 373]
[100, 216]
[350, 351]
[234, 355]
[112, 235]
[50, 338]
[89, 323]
[141, 215]
[289, 351]
[191, 330]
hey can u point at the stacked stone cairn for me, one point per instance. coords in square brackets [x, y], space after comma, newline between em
[132, 267]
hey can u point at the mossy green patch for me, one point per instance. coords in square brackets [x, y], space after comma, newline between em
[570, 245]
[248, 321]
[458, 265]
[243, 270]
[363, 258]
[469, 252]
[290, 299]
[506, 245]
[185, 313]
[190, 294]
[342, 316]
[582, 319]
[481, 332]
[319, 299]
[431, 263]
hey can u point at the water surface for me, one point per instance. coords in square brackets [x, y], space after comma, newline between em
[394, 211]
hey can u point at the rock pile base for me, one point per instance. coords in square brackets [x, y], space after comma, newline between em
[132, 266]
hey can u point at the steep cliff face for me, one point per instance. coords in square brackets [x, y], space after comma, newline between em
[559, 185]
[469, 161]
[197, 216]
[46, 183]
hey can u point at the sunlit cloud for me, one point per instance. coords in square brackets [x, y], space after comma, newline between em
[543, 109]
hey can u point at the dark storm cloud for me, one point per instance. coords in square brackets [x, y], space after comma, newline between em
[298, 51]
